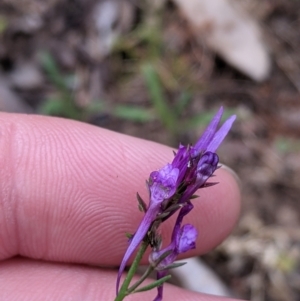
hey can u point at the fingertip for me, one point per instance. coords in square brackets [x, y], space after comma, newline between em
[75, 184]
[25, 279]
[232, 190]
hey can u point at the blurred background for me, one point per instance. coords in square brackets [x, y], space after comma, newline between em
[159, 70]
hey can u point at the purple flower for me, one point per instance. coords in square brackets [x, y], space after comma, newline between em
[172, 187]
[186, 239]
[183, 240]
[206, 166]
[162, 186]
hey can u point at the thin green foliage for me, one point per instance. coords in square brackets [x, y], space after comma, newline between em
[133, 113]
[154, 284]
[158, 99]
[171, 116]
[62, 104]
[286, 145]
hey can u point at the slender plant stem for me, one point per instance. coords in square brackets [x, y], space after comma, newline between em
[124, 288]
[141, 280]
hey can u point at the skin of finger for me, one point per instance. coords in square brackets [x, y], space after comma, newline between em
[29, 280]
[68, 191]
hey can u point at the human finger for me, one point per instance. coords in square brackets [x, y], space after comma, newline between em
[28, 280]
[68, 191]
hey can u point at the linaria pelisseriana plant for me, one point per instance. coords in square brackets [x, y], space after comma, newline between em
[171, 189]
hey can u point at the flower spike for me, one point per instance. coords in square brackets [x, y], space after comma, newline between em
[171, 189]
[183, 240]
[162, 186]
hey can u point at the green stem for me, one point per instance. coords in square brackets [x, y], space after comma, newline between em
[144, 276]
[124, 288]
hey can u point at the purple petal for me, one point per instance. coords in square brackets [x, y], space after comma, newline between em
[163, 183]
[180, 161]
[186, 239]
[182, 213]
[136, 240]
[180, 156]
[206, 166]
[221, 134]
[210, 131]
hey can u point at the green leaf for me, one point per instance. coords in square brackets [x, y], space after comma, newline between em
[53, 72]
[128, 235]
[97, 107]
[133, 113]
[124, 290]
[52, 106]
[142, 204]
[165, 113]
[182, 102]
[199, 120]
[153, 284]
[175, 265]
[3, 24]
[168, 210]
[210, 184]
[60, 107]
